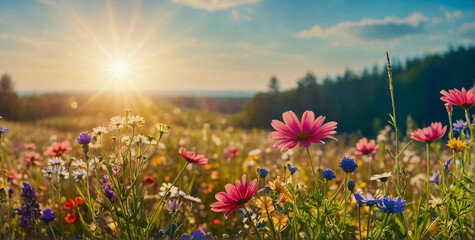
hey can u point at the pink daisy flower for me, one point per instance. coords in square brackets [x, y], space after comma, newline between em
[58, 148]
[191, 157]
[463, 99]
[363, 147]
[309, 130]
[235, 196]
[430, 133]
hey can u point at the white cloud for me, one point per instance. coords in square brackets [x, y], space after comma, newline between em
[237, 15]
[370, 29]
[453, 14]
[213, 5]
[48, 2]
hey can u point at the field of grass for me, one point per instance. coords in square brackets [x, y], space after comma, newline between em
[131, 182]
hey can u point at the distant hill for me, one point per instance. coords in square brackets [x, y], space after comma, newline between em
[361, 102]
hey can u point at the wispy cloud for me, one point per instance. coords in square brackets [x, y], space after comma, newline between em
[24, 39]
[253, 50]
[466, 33]
[213, 5]
[371, 29]
[193, 42]
[239, 16]
[453, 14]
[48, 2]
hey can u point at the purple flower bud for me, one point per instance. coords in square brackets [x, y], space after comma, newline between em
[84, 138]
[110, 195]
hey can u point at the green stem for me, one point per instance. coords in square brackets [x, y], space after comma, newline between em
[345, 190]
[252, 222]
[54, 235]
[451, 132]
[311, 165]
[153, 217]
[396, 131]
[369, 223]
[383, 226]
[428, 171]
[359, 220]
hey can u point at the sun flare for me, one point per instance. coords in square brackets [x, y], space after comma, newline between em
[120, 70]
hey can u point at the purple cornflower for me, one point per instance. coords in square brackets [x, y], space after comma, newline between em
[30, 210]
[435, 178]
[447, 163]
[348, 165]
[104, 179]
[115, 169]
[110, 195]
[48, 216]
[368, 200]
[460, 125]
[390, 205]
[3, 130]
[84, 138]
[173, 205]
[328, 174]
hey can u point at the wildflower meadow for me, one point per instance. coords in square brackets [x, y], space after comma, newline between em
[132, 177]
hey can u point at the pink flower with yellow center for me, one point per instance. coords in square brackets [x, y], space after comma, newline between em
[365, 147]
[464, 99]
[430, 133]
[235, 196]
[309, 130]
[191, 157]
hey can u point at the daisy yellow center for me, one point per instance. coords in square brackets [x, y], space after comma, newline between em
[302, 136]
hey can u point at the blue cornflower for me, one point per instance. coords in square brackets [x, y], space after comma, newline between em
[447, 163]
[328, 174]
[30, 210]
[292, 170]
[388, 205]
[10, 193]
[263, 172]
[201, 234]
[266, 187]
[460, 125]
[348, 165]
[351, 185]
[369, 200]
[3, 130]
[48, 216]
[435, 178]
[84, 138]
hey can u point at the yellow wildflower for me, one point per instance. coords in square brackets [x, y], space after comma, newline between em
[280, 220]
[278, 186]
[456, 144]
[264, 204]
[157, 160]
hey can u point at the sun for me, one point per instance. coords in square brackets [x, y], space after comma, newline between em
[120, 70]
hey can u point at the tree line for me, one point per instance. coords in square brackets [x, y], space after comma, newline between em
[361, 102]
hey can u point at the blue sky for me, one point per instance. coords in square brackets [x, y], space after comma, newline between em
[215, 45]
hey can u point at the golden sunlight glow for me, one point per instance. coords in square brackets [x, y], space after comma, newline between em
[120, 70]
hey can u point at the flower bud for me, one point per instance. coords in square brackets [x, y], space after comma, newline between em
[351, 185]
